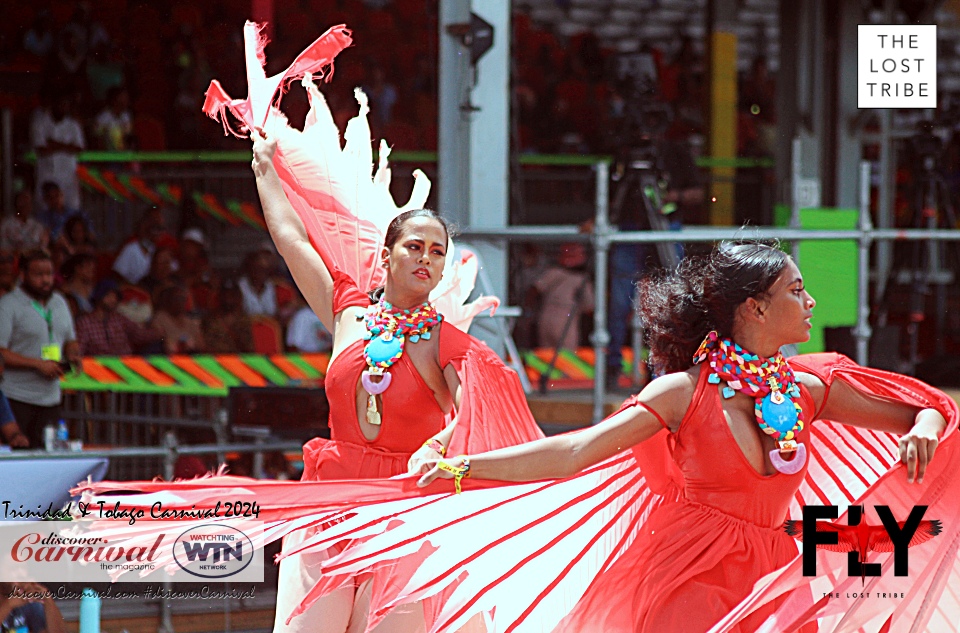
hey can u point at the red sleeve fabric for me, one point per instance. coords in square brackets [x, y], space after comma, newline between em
[346, 294]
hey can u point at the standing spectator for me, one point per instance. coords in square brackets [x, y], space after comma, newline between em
[261, 294]
[114, 124]
[21, 232]
[181, 332]
[104, 331]
[383, 96]
[36, 337]
[38, 40]
[57, 138]
[80, 273]
[229, 330]
[566, 292]
[133, 261]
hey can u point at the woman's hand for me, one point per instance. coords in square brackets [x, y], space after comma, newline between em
[423, 460]
[434, 471]
[918, 446]
[264, 147]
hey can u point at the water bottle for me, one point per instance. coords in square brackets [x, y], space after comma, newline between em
[16, 623]
[63, 436]
[89, 611]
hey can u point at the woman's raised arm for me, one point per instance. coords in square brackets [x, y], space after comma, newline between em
[289, 234]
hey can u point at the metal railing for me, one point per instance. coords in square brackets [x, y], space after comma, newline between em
[604, 235]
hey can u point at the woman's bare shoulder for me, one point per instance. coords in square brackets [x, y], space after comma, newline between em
[670, 395]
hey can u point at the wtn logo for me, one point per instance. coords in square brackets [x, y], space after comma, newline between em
[214, 551]
[858, 538]
[221, 551]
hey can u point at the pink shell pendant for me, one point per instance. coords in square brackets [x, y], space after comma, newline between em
[375, 388]
[793, 466]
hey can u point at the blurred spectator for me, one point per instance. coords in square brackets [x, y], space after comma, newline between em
[261, 294]
[305, 333]
[38, 40]
[383, 97]
[10, 432]
[531, 268]
[181, 332]
[37, 339]
[189, 467]
[133, 261]
[56, 213]
[104, 331]
[80, 273]
[57, 138]
[21, 232]
[196, 272]
[8, 272]
[565, 292]
[38, 615]
[75, 238]
[114, 124]
[229, 330]
[163, 265]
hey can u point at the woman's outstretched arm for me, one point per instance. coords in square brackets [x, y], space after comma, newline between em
[919, 429]
[564, 455]
[289, 234]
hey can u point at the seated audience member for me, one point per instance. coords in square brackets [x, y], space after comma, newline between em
[261, 293]
[181, 332]
[196, 272]
[229, 330]
[56, 213]
[163, 265]
[75, 237]
[106, 332]
[565, 293]
[22, 232]
[80, 275]
[23, 612]
[8, 272]
[133, 261]
[305, 333]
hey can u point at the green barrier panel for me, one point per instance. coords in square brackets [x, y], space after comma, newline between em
[829, 270]
[263, 366]
[308, 369]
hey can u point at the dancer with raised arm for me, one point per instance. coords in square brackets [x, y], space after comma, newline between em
[403, 382]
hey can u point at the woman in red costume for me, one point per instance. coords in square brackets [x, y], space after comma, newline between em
[739, 422]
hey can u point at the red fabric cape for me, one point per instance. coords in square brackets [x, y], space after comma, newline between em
[522, 554]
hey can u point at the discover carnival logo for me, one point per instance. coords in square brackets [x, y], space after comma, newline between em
[213, 551]
[51, 552]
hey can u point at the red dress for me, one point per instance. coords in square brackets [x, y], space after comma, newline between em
[697, 557]
[410, 414]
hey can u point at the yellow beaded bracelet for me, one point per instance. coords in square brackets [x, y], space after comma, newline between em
[459, 472]
[434, 444]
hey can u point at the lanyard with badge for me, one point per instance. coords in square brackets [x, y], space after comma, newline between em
[51, 351]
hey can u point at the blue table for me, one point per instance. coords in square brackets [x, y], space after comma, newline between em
[40, 482]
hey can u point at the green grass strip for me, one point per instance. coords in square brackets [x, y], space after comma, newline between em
[266, 368]
[216, 369]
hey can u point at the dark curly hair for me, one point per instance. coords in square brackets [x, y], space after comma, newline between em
[680, 308]
[395, 230]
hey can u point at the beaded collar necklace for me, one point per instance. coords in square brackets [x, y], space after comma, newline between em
[772, 385]
[388, 329]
